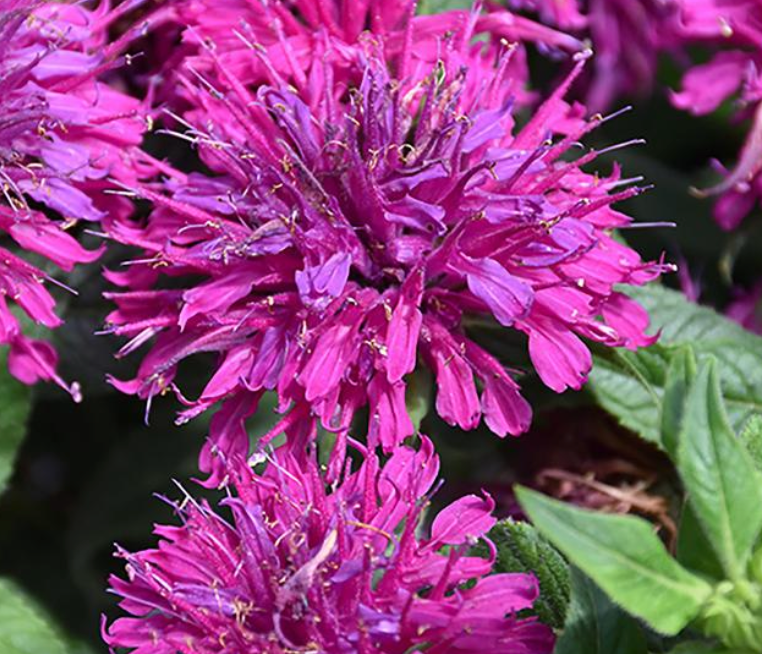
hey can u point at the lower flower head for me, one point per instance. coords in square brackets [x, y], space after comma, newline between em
[290, 565]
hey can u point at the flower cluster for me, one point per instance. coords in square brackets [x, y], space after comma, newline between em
[291, 566]
[347, 236]
[62, 134]
[361, 196]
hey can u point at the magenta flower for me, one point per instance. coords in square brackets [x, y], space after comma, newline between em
[299, 567]
[279, 42]
[568, 14]
[62, 133]
[344, 242]
[746, 308]
[734, 28]
[627, 37]
[710, 19]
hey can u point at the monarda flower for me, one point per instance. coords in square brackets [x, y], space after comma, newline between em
[290, 565]
[62, 133]
[746, 308]
[734, 28]
[279, 42]
[627, 37]
[339, 247]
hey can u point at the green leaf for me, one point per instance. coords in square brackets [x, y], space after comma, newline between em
[24, 626]
[595, 625]
[680, 375]
[724, 487]
[705, 648]
[418, 395]
[694, 550]
[80, 647]
[630, 385]
[15, 405]
[751, 437]
[521, 549]
[623, 555]
[438, 6]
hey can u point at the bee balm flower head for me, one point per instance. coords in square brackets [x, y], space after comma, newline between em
[287, 565]
[340, 246]
[61, 134]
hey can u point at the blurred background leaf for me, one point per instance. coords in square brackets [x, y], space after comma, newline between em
[436, 6]
[15, 405]
[25, 627]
